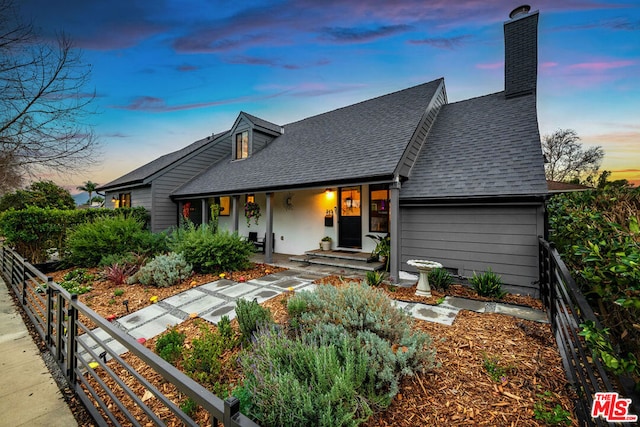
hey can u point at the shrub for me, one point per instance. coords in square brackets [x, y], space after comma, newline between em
[291, 383]
[90, 242]
[374, 278]
[170, 345]
[163, 271]
[488, 284]
[343, 362]
[226, 331]
[211, 252]
[202, 361]
[440, 279]
[250, 315]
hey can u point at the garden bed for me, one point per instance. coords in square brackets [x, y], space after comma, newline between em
[494, 369]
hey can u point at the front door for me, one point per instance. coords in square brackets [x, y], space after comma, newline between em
[350, 219]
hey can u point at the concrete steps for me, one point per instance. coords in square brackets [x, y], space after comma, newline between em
[343, 258]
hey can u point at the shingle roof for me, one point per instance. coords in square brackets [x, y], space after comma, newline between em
[138, 176]
[486, 146]
[358, 142]
[263, 123]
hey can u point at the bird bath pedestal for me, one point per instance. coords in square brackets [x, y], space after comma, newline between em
[424, 267]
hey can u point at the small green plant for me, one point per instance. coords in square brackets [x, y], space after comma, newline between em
[163, 271]
[171, 345]
[440, 279]
[225, 329]
[326, 239]
[202, 362]
[375, 278]
[118, 292]
[488, 284]
[119, 273]
[440, 300]
[553, 416]
[497, 372]
[189, 407]
[251, 315]
[80, 275]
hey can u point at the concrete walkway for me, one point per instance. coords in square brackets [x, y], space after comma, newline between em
[29, 396]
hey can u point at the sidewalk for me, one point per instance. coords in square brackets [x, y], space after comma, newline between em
[29, 396]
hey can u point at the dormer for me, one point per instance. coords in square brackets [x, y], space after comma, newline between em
[250, 134]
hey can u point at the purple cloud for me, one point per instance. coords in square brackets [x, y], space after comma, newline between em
[449, 43]
[361, 35]
[601, 65]
[252, 60]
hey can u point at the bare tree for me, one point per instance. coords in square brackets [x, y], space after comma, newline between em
[567, 160]
[44, 109]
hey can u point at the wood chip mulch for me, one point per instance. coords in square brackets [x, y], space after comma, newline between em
[459, 392]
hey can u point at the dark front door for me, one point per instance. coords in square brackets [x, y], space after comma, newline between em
[350, 218]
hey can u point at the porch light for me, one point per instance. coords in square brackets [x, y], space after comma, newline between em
[251, 198]
[328, 193]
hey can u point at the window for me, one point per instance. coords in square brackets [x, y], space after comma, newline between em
[379, 209]
[242, 145]
[124, 200]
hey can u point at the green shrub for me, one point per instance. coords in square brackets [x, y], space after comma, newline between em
[189, 407]
[488, 284]
[344, 361]
[203, 360]
[163, 271]
[250, 315]
[211, 252]
[440, 279]
[107, 236]
[375, 278]
[170, 345]
[291, 383]
[226, 331]
[35, 231]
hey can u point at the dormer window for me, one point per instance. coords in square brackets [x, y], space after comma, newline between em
[242, 145]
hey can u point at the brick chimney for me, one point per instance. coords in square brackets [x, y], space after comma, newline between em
[521, 52]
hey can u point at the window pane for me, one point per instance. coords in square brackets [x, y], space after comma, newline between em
[379, 208]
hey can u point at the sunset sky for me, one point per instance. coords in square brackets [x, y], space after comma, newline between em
[167, 73]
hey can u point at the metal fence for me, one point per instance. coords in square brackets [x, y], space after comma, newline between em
[567, 309]
[103, 378]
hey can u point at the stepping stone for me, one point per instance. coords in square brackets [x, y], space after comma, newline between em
[526, 313]
[432, 313]
[140, 317]
[238, 289]
[289, 283]
[262, 295]
[184, 297]
[217, 285]
[155, 326]
[216, 314]
[266, 279]
[201, 305]
[457, 303]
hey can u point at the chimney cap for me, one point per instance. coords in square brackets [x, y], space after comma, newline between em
[520, 11]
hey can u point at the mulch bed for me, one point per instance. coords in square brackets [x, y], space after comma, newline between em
[458, 392]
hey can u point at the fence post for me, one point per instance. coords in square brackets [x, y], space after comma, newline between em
[50, 306]
[231, 408]
[72, 335]
[59, 328]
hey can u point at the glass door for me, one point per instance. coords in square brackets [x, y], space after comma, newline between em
[350, 218]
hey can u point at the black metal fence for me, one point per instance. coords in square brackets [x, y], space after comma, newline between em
[106, 382]
[567, 309]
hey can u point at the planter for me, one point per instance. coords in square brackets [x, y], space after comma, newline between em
[325, 245]
[424, 267]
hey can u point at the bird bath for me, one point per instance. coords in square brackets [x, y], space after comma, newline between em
[424, 267]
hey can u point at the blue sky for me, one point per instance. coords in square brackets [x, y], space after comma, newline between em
[167, 73]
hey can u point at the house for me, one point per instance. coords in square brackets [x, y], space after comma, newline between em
[460, 183]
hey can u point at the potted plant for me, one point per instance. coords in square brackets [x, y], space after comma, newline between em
[252, 210]
[325, 243]
[382, 251]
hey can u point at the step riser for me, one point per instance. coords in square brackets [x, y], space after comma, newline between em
[335, 262]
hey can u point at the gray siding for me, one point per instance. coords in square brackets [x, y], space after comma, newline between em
[140, 197]
[471, 239]
[419, 138]
[260, 140]
[164, 213]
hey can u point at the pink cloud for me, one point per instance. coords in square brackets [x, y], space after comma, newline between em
[548, 64]
[601, 66]
[490, 66]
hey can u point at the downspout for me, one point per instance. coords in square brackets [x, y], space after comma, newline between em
[394, 230]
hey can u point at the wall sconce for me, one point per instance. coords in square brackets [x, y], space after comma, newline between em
[251, 198]
[328, 193]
